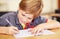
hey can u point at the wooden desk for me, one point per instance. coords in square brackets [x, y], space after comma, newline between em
[51, 14]
[55, 36]
[55, 15]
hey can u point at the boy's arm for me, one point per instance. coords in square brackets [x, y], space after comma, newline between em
[2, 30]
[8, 30]
[51, 24]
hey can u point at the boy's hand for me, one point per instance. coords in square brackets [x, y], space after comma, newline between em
[12, 30]
[36, 30]
[9, 30]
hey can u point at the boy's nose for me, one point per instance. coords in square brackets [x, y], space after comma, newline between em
[29, 20]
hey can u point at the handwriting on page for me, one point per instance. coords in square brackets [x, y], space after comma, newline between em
[25, 33]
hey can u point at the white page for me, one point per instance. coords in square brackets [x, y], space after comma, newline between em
[25, 33]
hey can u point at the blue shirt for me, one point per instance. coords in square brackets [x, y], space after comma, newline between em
[13, 19]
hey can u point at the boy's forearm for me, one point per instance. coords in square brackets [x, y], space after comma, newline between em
[50, 25]
[3, 29]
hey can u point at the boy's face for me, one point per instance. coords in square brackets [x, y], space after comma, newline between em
[24, 17]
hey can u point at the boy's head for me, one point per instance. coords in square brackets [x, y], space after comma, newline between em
[31, 7]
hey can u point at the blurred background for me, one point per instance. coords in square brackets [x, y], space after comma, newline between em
[50, 8]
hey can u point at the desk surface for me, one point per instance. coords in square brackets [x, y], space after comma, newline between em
[56, 15]
[52, 14]
[55, 36]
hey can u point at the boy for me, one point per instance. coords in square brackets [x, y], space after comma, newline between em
[26, 17]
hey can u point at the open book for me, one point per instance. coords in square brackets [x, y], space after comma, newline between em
[25, 33]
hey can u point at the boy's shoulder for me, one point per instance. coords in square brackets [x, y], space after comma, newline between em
[9, 14]
[39, 20]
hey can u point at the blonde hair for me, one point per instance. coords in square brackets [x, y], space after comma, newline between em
[31, 6]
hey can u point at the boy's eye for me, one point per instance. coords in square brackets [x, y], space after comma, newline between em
[23, 15]
[29, 18]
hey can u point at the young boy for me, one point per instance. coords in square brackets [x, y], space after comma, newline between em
[28, 16]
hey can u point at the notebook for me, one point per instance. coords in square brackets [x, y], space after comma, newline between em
[25, 33]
